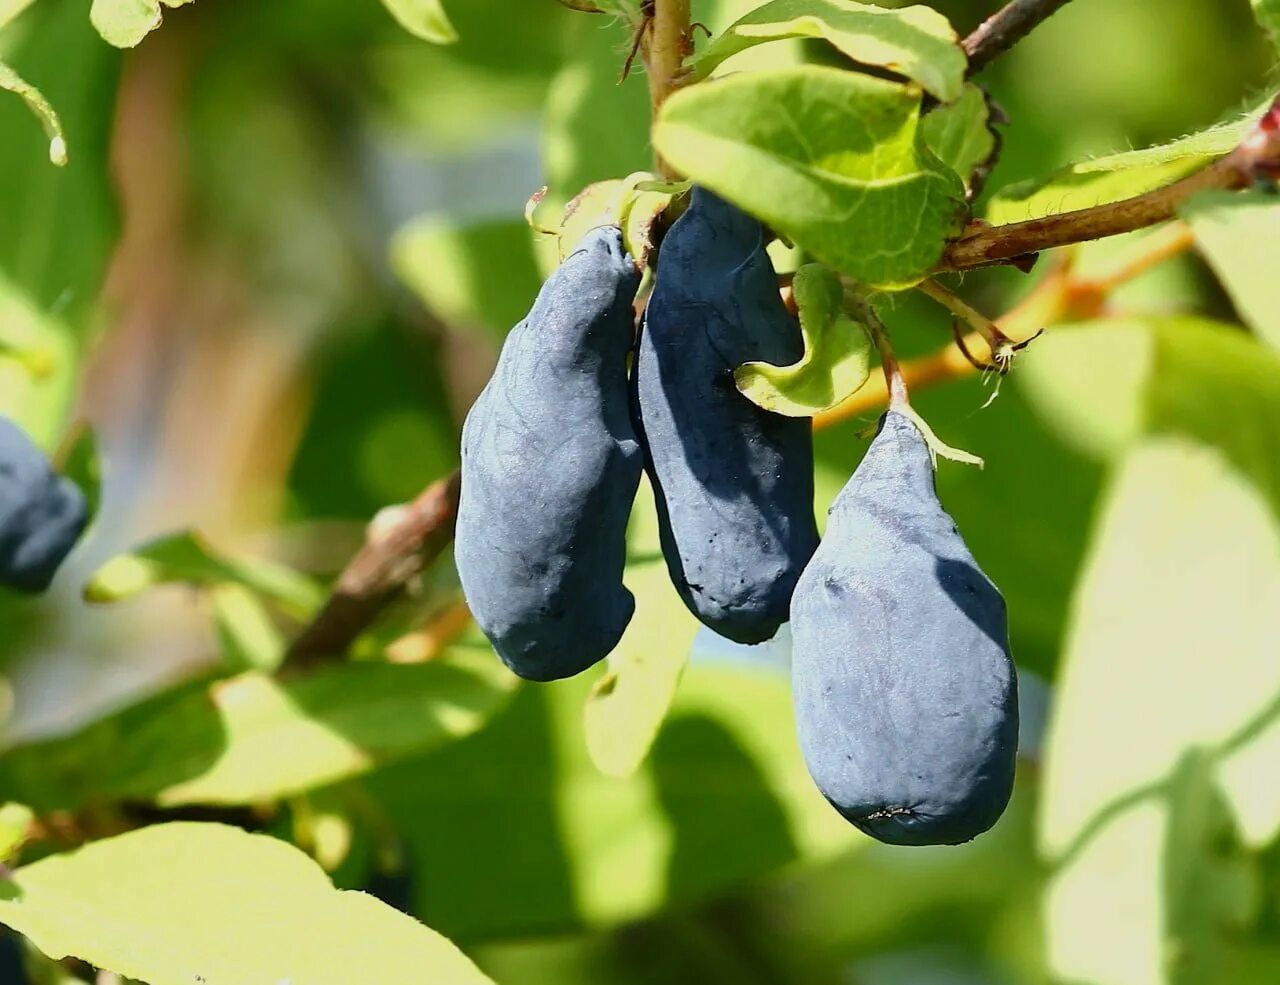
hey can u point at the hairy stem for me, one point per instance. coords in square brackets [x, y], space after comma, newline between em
[1005, 28]
[667, 47]
[1257, 156]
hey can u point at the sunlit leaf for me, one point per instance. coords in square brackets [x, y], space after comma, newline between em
[627, 705]
[475, 276]
[829, 159]
[424, 18]
[181, 903]
[1184, 561]
[186, 557]
[124, 23]
[837, 353]
[1239, 234]
[1112, 177]
[917, 42]
[247, 636]
[252, 738]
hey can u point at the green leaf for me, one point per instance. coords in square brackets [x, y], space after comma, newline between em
[181, 903]
[961, 135]
[1183, 561]
[1116, 176]
[837, 353]
[829, 159]
[455, 269]
[15, 823]
[628, 703]
[185, 557]
[1268, 14]
[46, 114]
[917, 42]
[10, 9]
[251, 738]
[59, 224]
[594, 849]
[1239, 235]
[247, 637]
[424, 18]
[124, 23]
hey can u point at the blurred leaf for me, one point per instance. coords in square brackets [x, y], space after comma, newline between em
[1184, 562]
[917, 42]
[249, 640]
[1268, 14]
[59, 224]
[48, 117]
[1115, 176]
[79, 460]
[252, 738]
[9, 9]
[1183, 558]
[185, 557]
[628, 703]
[722, 798]
[1159, 895]
[837, 353]
[15, 823]
[162, 903]
[482, 275]
[827, 158]
[1239, 235]
[960, 133]
[124, 23]
[424, 18]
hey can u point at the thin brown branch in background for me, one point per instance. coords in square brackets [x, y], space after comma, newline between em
[1005, 28]
[1257, 157]
[399, 544]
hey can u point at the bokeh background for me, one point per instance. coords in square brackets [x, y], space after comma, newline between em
[276, 272]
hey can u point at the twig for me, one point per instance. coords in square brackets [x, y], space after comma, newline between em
[1060, 297]
[1005, 28]
[1257, 156]
[399, 544]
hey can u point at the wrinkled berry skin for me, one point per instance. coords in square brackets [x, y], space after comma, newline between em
[905, 694]
[734, 483]
[550, 467]
[42, 515]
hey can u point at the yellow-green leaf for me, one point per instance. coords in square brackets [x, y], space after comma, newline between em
[917, 42]
[628, 704]
[252, 738]
[424, 18]
[837, 353]
[187, 903]
[124, 23]
[187, 557]
[829, 159]
[1239, 235]
[1107, 179]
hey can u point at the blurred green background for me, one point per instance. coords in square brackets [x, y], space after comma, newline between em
[278, 269]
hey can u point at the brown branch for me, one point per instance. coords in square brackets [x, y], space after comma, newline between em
[399, 544]
[669, 42]
[1005, 28]
[1257, 156]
